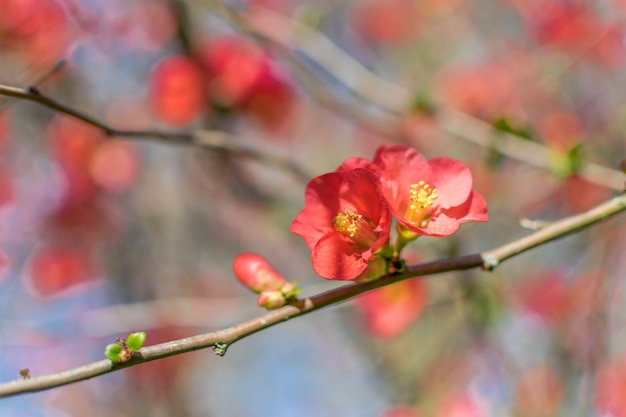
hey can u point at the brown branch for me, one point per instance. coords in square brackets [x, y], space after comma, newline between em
[223, 338]
[373, 90]
[208, 139]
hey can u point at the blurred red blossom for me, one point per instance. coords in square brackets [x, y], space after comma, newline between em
[610, 387]
[574, 27]
[561, 130]
[113, 165]
[390, 310]
[244, 77]
[490, 90]
[38, 29]
[148, 25]
[435, 8]
[158, 381]
[558, 23]
[545, 294]
[5, 266]
[344, 222]
[177, 94]
[538, 392]
[7, 191]
[54, 268]
[387, 21]
[71, 143]
[578, 195]
[94, 220]
[460, 404]
[428, 197]
[90, 162]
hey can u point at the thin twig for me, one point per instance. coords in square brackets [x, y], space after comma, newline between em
[58, 66]
[555, 230]
[208, 139]
[223, 338]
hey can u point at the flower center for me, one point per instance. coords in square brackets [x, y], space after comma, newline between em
[355, 227]
[421, 198]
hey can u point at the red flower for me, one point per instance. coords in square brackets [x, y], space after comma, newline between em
[429, 198]
[344, 222]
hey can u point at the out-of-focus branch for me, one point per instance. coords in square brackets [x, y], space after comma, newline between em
[482, 133]
[209, 139]
[375, 91]
[58, 66]
[221, 339]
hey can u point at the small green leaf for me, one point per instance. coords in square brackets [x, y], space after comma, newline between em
[422, 104]
[504, 125]
[567, 164]
[220, 348]
[136, 340]
[112, 352]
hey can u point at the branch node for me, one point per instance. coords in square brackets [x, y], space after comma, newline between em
[490, 262]
[33, 90]
[532, 224]
[220, 348]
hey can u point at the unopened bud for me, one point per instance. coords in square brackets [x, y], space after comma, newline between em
[290, 290]
[256, 273]
[271, 299]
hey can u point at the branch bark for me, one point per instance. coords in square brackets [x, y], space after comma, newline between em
[221, 339]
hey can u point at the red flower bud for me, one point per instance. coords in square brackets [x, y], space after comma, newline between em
[256, 273]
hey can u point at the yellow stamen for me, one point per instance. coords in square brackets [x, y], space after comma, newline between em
[347, 222]
[421, 197]
[355, 227]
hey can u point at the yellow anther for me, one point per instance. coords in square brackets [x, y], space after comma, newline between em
[347, 222]
[355, 227]
[421, 197]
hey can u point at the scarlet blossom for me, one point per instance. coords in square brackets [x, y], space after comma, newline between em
[345, 221]
[427, 197]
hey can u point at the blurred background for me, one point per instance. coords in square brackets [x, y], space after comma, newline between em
[101, 236]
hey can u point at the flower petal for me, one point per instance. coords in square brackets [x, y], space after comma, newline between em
[334, 258]
[439, 226]
[400, 167]
[352, 163]
[361, 193]
[448, 221]
[473, 210]
[477, 211]
[453, 181]
[321, 206]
